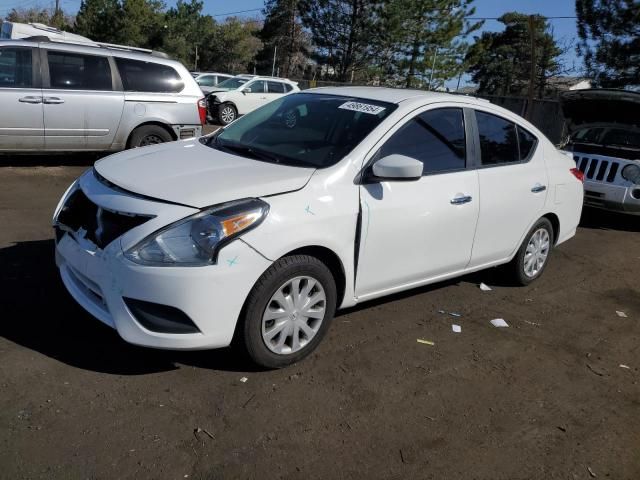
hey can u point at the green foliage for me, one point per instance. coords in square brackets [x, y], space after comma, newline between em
[609, 32]
[500, 62]
[283, 34]
[100, 20]
[46, 16]
[425, 36]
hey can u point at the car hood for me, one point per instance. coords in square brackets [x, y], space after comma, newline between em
[600, 106]
[218, 90]
[193, 174]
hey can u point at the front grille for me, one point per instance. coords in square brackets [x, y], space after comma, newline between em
[99, 225]
[597, 169]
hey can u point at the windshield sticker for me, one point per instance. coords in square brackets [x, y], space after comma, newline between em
[362, 107]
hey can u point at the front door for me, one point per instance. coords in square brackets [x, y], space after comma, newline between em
[253, 96]
[21, 124]
[513, 184]
[82, 110]
[412, 231]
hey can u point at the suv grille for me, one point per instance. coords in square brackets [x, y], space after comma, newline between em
[101, 226]
[596, 169]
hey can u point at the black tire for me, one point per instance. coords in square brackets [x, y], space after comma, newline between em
[516, 268]
[279, 273]
[227, 113]
[149, 135]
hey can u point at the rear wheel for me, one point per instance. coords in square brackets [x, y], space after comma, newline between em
[533, 255]
[149, 135]
[227, 114]
[288, 311]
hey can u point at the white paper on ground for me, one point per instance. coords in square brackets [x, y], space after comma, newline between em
[485, 288]
[456, 328]
[621, 314]
[499, 322]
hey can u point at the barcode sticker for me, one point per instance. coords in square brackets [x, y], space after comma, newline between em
[362, 107]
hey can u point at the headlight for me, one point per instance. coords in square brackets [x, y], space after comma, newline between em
[631, 173]
[196, 240]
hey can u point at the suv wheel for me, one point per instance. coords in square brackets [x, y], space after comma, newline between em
[227, 114]
[149, 135]
[533, 255]
[288, 311]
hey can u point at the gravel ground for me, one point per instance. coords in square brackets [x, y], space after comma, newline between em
[546, 398]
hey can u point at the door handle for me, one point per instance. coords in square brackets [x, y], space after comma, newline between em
[53, 100]
[537, 188]
[30, 99]
[460, 200]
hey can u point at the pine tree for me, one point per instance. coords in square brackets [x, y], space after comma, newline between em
[100, 20]
[609, 32]
[426, 38]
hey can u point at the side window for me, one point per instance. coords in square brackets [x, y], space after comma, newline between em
[256, 87]
[139, 76]
[16, 70]
[75, 71]
[288, 87]
[527, 143]
[275, 87]
[498, 139]
[436, 138]
[222, 78]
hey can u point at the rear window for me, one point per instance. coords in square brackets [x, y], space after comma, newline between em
[73, 71]
[498, 139]
[275, 87]
[139, 76]
[527, 143]
[15, 68]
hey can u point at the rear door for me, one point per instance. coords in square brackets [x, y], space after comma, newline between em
[82, 102]
[21, 123]
[513, 187]
[275, 90]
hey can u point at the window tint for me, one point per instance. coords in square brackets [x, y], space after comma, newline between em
[15, 67]
[287, 87]
[256, 87]
[527, 143]
[436, 138]
[275, 87]
[207, 81]
[498, 140]
[79, 72]
[139, 76]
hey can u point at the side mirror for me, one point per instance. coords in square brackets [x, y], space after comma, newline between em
[397, 167]
[246, 90]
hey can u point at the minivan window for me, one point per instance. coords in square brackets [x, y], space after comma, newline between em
[74, 71]
[16, 69]
[436, 138]
[498, 139]
[303, 129]
[140, 76]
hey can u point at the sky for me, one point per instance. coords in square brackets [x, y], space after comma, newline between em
[564, 29]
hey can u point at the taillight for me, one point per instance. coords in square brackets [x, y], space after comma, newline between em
[578, 174]
[202, 110]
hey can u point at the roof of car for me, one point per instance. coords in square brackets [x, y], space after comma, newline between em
[391, 95]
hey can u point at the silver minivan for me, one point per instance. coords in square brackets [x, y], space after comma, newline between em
[61, 96]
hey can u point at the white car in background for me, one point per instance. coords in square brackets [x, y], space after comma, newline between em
[244, 93]
[208, 81]
[261, 230]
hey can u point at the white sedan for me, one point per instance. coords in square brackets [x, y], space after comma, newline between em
[317, 201]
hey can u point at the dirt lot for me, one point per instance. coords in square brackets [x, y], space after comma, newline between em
[545, 398]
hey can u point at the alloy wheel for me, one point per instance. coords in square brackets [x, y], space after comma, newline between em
[536, 253]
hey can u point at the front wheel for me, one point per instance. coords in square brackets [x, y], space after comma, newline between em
[533, 255]
[227, 114]
[288, 311]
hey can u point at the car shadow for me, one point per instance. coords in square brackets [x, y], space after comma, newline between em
[595, 218]
[40, 315]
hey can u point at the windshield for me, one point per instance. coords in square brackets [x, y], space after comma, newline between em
[303, 129]
[233, 83]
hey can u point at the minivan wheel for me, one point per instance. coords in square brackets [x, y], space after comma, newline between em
[288, 311]
[149, 135]
[227, 114]
[533, 255]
